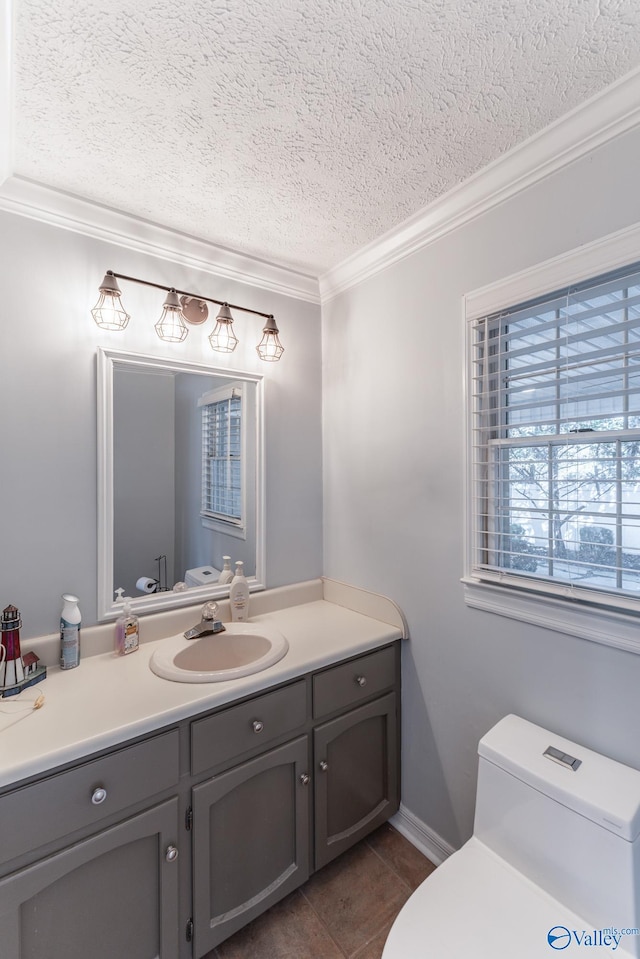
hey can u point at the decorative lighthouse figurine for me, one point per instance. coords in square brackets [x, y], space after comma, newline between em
[16, 673]
[12, 666]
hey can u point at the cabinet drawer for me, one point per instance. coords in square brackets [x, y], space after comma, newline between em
[59, 805]
[256, 723]
[350, 683]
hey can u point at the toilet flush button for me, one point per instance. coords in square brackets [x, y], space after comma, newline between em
[564, 759]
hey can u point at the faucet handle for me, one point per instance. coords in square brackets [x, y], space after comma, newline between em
[210, 611]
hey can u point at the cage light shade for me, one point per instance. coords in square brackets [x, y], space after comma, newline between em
[270, 349]
[223, 339]
[108, 312]
[171, 326]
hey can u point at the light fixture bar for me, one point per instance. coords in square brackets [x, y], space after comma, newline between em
[180, 306]
[195, 296]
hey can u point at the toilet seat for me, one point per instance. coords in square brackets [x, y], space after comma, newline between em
[477, 906]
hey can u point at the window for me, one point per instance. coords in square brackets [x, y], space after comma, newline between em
[555, 387]
[222, 459]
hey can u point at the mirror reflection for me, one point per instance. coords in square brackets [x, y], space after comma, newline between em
[182, 479]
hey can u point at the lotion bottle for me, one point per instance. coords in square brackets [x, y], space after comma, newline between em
[226, 575]
[239, 595]
[127, 630]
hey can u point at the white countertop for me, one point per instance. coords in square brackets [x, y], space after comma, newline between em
[110, 699]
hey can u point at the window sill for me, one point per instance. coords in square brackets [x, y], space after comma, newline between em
[592, 623]
[220, 526]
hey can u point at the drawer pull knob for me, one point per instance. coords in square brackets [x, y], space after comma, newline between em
[171, 853]
[361, 681]
[257, 726]
[305, 779]
[324, 765]
[98, 795]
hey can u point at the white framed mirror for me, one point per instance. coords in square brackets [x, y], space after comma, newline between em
[180, 480]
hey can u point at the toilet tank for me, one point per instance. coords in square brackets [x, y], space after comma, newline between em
[572, 828]
[202, 576]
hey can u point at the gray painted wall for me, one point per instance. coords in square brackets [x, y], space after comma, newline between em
[394, 420]
[143, 476]
[48, 410]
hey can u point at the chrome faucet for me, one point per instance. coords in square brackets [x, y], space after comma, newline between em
[208, 624]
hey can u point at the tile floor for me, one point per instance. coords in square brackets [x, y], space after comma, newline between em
[344, 911]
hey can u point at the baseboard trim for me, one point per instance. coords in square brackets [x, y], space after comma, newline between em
[433, 846]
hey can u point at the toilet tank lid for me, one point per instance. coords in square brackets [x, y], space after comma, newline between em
[603, 790]
[207, 573]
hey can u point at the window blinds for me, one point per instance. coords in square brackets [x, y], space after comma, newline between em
[555, 389]
[222, 457]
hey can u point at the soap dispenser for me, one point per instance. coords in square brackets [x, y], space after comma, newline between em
[226, 575]
[239, 595]
[127, 630]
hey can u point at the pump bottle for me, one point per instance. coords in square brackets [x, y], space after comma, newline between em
[239, 595]
[226, 575]
[127, 630]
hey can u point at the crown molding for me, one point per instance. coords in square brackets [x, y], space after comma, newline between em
[42, 203]
[589, 126]
[592, 124]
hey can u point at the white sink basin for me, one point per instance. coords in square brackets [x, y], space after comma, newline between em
[242, 649]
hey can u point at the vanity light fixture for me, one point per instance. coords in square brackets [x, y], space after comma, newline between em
[270, 348]
[223, 339]
[108, 311]
[171, 326]
[180, 309]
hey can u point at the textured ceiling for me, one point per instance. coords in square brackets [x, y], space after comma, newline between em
[296, 130]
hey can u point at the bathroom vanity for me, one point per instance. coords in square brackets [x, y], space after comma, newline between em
[167, 840]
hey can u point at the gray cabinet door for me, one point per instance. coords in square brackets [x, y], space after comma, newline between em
[250, 841]
[113, 895]
[356, 776]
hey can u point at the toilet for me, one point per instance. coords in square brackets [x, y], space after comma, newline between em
[552, 868]
[202, 576]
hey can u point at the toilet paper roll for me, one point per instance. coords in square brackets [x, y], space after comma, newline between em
[147, 585]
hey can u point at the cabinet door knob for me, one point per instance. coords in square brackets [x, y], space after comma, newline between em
[361, 680]
[257, 726]
[171, 853]
[98, 795]
[324, 765]
[305, 779]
